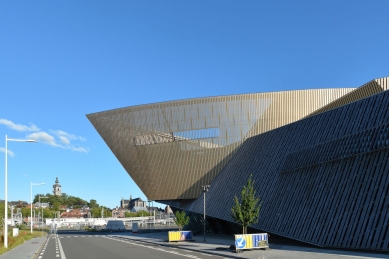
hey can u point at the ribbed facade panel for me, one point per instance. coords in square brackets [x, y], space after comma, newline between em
[323, 180]
[372, 87]
[171, 149]
[319, 158]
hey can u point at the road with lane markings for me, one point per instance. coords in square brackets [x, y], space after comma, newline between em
[76, 244]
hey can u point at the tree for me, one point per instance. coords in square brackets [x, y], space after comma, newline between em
[246, 211]
[95, 212]
[142, 213]
[56, 205]
[129, 214]
[93, 204]
[47, 213]
[181, 219]
[26, 212]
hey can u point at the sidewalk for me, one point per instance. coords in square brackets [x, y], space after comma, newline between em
[219, 244]
[24, 251]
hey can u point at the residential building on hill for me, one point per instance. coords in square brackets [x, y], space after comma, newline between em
[75, 213]
[137, 202]
[41, 205]
[124, 203]
[19, 204]
[138, 209]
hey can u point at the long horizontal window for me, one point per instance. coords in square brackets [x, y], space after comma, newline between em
[153, 139]
[198, 133]
[188, 135]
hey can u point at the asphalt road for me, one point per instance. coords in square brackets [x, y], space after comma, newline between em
[84, 245]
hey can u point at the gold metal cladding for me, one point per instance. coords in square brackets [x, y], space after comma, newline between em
[171, 149]
[373, 87]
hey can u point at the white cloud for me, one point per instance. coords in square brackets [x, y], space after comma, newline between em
[80, 149]
[82, 138]
[10, 153]
[44, 137]
[58, 138]
[61, 133]
[64, 140]
[18, 127]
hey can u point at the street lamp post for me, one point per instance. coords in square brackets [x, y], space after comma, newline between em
[6, 185]
[31, 200]
[149, 215]
[205, 189]
[152, 205]
[40, 204]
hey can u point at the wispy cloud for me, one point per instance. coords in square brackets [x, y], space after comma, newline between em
[82, 138]
[19, 127]
[62, 134]
[80, 149]
[64, 139]
[54, 138]
[10, 153]
[43, 137]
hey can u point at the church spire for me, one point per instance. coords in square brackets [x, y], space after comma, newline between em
[57, 187]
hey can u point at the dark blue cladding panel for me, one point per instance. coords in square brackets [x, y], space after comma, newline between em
[323, 180]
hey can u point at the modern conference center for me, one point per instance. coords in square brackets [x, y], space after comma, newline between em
[319, 159]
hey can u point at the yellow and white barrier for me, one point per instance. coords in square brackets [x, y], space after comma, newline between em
[180, 235]
[251, 241]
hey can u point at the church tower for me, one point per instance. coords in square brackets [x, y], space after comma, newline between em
[57, 187]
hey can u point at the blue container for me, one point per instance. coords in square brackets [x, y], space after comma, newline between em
[186, 235]
[257, 238]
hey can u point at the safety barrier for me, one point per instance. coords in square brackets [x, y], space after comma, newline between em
[251, 241]
[180, 235]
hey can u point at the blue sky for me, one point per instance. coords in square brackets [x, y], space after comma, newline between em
[61, 60]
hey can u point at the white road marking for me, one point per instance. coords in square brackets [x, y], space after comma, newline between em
[132, 242]
[191, 256]
[61, 250]
[173, 252]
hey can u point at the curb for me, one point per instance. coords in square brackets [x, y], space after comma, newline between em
[36, 253]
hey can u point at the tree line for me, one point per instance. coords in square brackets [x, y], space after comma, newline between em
[56, 203]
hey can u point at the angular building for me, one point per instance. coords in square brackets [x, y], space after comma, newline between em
[319, 159]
